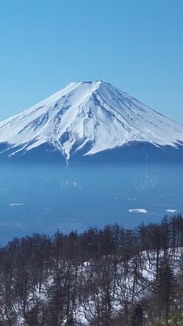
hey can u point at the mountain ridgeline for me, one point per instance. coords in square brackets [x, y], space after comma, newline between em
[90, 122]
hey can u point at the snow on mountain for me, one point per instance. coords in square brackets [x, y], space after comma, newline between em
[88, 113]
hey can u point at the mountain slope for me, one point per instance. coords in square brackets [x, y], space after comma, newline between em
[88, 116]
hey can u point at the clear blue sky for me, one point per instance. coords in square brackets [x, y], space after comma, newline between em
[136, 45]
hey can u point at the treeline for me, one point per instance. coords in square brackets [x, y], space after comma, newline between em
[109, 276]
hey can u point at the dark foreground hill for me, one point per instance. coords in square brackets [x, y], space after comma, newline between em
[109, 276]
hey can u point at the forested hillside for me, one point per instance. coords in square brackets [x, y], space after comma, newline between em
[106, 277]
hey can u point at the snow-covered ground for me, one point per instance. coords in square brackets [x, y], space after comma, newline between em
[129, 284]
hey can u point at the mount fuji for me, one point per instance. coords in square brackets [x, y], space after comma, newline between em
[85, 119]
[89, 155]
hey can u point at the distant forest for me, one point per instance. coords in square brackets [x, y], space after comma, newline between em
[109, 277]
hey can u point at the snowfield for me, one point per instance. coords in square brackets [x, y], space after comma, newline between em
[94, 116]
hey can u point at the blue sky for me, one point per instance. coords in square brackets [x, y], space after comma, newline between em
[136, 45]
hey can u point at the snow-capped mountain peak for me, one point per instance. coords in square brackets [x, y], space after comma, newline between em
[94, 115]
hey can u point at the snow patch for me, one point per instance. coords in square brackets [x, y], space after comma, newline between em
[138, 210]
[171, 210]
